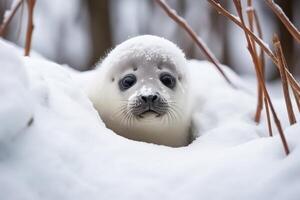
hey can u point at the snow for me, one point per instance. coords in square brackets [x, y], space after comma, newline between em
[16, 102]
[67, 153]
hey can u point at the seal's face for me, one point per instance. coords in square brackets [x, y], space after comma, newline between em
[141, 91]
[149, 89]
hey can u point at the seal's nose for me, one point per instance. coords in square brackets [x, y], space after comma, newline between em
[149, 99]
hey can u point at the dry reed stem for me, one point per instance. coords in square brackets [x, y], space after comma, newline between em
[7, 20]
[295, 92]
[260, 34]
[30, 26]
[182, 22]
[284, 19]
[258, 62]
[236, 20]
[285, 86]
[294, 84]
[262, 53]
[261, 79]
[268, 118]
[253, 18]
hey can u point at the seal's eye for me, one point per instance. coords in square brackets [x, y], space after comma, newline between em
[168, 80]
[126, 82]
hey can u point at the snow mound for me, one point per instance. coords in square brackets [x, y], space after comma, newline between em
[16, 106]
[67, 153]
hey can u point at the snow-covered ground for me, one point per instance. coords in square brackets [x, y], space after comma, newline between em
[53, 145]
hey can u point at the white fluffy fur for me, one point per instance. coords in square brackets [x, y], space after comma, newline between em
[144, 53]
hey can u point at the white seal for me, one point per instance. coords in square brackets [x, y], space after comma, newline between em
[141, 91]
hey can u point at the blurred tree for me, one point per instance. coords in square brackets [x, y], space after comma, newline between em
[1, 11]
[100, 29]
[220, 27]
[99, 25]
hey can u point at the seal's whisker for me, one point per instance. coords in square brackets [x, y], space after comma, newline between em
[177, 113]
[170, 118]
[118, 112]
[176, 108]
[126, 114]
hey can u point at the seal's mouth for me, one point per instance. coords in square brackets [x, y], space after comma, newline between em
[148, 113]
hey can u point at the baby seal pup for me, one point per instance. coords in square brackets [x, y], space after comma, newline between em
[141, 91]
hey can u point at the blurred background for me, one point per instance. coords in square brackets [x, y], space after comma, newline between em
[81, 32]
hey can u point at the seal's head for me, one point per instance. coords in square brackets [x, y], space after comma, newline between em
[141, 91]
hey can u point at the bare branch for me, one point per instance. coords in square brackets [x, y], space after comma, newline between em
[284, 19]
[30, 26]
[9, 18]
[261, 79]
[236, 20]
[261, 43]
[285, 86]
[258, 60]
[268, 117]
[181, 22]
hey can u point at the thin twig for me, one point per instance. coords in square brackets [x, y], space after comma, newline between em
[261, 79]
[294, 84]
[258, 62]
[182, 22]
[30, 26]
[268, 117]
[260, 34]
[7, 19]
[295, 92]
[284, 19]
[252, 17]
[236, 20]
[285, 86]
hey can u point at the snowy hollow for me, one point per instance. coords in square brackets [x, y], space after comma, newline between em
[53, 145]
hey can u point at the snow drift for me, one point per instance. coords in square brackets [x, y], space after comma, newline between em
[53, 145]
